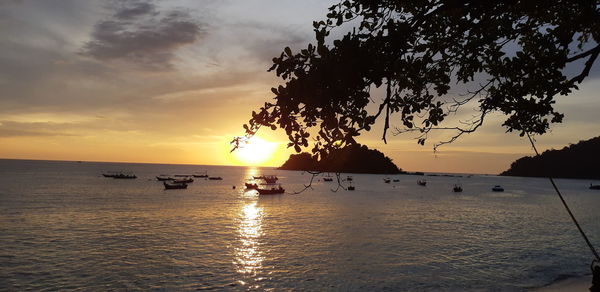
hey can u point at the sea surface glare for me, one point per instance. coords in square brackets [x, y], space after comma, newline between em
[65, 227]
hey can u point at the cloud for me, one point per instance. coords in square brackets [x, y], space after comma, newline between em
[19, 129]
[138, 33]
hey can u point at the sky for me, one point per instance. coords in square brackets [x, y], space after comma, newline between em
[174, 81]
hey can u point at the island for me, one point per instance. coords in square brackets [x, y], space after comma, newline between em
[581, 160]
[350, 159]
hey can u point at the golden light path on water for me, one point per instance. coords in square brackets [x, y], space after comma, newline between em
[248, 254]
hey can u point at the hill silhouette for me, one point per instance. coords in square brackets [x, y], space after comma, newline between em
[579, 160]
[350, 159]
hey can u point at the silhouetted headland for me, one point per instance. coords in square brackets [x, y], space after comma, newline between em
[579, 160]
[350, 159]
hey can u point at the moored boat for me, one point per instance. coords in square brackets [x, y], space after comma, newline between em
[205, 174]
[125, 176]
[351, 188]
[251, 186]
[163, 177]
[387, 180]
[594, 187]
[173, 185]
[422, 182]
[215, 178]
[183, 180]
[498, 188]
[457, 189]
[270, 189]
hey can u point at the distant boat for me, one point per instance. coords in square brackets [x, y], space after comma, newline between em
[351, 188]
[387, 180]
[205, 174]
[422, 182]
[396, 180]
[110, 174]
[173, 186]
[183, 180]
[270, 190]
[349, 178]
[124, 176]
[251, 186]
[328, 178]
[498, 188]
[215, 178]
[271, 179]
[163, 177]
[594, 187]
[457, 189]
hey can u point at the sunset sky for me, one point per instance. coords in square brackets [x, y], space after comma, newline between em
[173, 82]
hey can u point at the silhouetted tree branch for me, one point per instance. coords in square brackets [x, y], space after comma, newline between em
[420, 50]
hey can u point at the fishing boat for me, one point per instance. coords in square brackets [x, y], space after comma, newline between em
[110, 174]
[422, 182]
[387, 180]
[594, 187]
[163, 177]
[205, 174]
[174, 186]
[498, 188]
[457, 189]
[183, 180]
[215, 178]
[124, 176]
[270, 189]
[251, 186]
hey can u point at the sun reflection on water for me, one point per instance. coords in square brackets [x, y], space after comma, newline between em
[248, 254]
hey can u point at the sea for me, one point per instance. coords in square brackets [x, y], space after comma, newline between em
[65, 227]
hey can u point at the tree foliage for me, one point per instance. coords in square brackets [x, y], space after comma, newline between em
[510, 56]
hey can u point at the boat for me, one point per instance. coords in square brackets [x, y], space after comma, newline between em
[328, 178]
[498, 188]
[215, 178]
[349, 178]
[422, 182]
[163, 177]
[125, 176]
[351, 188]
[457, 189]
[205, 174]
[594, 187]
[270, 189]
[251, 186]
[183, 180]
[396, 180]
[270, 179]
[110, 173]
[258, 177]
[387, 180]
[174, 186]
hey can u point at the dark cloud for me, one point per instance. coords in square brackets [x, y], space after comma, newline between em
[130, 9]
[139, 34]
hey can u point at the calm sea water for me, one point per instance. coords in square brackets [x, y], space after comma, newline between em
[65, 227]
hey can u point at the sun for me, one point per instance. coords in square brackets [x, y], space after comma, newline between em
[255, 151]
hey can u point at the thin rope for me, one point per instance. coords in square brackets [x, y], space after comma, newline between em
[566, 206]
